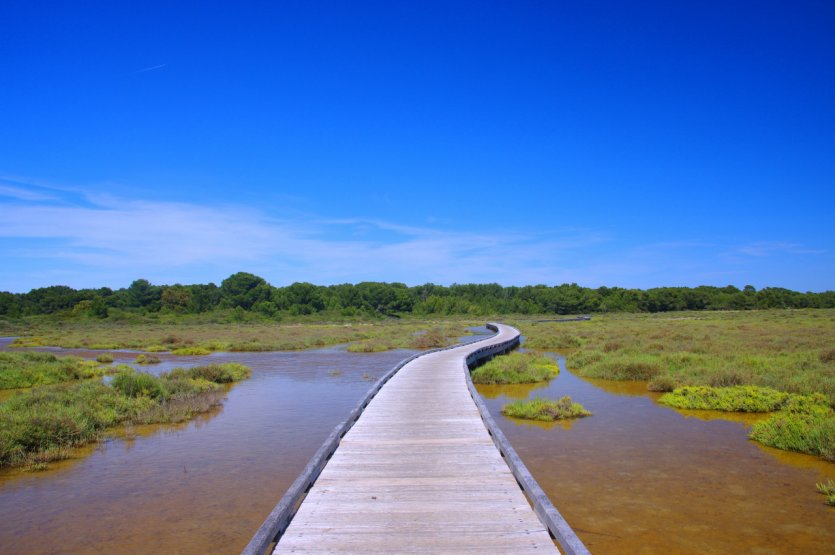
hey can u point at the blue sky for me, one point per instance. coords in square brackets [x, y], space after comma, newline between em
[632, 144]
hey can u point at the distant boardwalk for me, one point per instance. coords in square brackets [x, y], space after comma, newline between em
[419, 473]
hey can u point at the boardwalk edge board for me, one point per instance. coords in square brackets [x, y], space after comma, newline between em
[275, 525]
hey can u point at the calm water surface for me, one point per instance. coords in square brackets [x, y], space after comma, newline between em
[637, 477]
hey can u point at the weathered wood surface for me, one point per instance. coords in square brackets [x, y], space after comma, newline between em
[419, 473]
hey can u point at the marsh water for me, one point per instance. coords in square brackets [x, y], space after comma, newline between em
[636, 477]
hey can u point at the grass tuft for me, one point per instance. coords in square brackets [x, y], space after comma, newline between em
[664, 383]
[217, 373]
[827, 489]
[813, 434]
[551, 342]
[434, 338]
[545, 409]
[191, 351]
[376, 345]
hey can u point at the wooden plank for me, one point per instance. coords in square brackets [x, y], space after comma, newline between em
[418, 473]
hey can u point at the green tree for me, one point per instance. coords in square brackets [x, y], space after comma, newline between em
[244, 290]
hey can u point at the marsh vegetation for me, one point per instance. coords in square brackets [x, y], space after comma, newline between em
[546, 410]
[516, 368]
[203, 334]
[779, 362]
[45, 423]
[30, 369]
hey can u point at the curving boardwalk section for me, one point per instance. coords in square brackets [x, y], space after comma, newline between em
[419, 472]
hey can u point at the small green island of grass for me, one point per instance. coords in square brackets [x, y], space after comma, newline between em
[803, 423]
[545, 409]
[516, 368]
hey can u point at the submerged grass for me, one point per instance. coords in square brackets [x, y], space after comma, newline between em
[30, 369]
[516, 368]
[545, 409]
[44, 424]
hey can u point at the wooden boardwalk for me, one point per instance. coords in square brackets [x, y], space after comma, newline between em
[419, 473]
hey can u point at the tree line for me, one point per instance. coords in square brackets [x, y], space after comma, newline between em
[245, 292]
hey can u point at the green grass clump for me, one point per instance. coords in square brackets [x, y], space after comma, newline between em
[827, 489]
[803, 423]
[139, 384]
[33, 341]
[104, 358]
[191, 351]
[370, 346]
[664, 383]
[44, 424]
[147, 359]
[216, 373]
[741, 398]
[545, 409]
[431, 339]
[30, 369]
[560, 341]
[813, 433]
[622, 366]
[516, 368]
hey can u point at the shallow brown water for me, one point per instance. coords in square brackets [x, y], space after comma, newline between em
[201, 487]
[638, 477]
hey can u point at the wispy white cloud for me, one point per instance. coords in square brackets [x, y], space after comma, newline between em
[20, 193]
[101, 239]
[147, 237]
[151, 68]
[770, 248]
